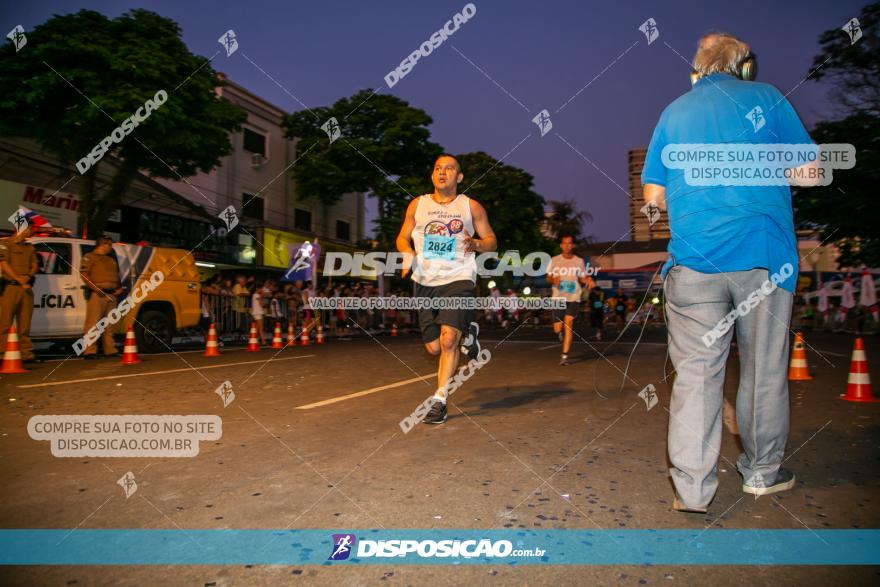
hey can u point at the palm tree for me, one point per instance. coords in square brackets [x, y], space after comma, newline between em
[563, 218]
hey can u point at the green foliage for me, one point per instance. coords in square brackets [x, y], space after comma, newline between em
[515, 210]
[846, 212]
[565, 219]
[384, 149]
[80, 75]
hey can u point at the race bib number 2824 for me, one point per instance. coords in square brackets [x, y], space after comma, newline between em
[439, 247]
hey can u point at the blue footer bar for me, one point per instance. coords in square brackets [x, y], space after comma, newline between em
[420, 547]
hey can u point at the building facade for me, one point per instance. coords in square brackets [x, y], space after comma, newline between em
[255, 178]
[643, 229]
[148, 211]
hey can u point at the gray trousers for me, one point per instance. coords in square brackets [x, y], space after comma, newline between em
[695, 304]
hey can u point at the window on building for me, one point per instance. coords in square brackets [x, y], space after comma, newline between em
[252, 206]
[343, 230]
[254, 142]
[302, 220]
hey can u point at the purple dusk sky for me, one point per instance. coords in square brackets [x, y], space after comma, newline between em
[533, 56]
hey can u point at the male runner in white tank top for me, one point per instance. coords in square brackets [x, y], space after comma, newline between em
[440, 235]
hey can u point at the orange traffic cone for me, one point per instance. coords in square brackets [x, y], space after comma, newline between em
[212, 349]
[797, 370]
[130, 350]
[394, 329]
[858, 387]
[304, 337]
[291, 337]
[253, 346]
[319, 336]
[12, 355]
[276, 337]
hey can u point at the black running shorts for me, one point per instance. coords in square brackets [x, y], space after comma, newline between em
[430, 319]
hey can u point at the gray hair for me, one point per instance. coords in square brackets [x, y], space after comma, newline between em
[719, 53]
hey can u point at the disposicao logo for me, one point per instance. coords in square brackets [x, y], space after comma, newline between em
[343, 544]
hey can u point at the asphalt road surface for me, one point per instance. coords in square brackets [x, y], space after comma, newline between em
[312, 440]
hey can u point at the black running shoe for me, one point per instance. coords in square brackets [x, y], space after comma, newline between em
[437, 413]
[563, 361]
[470, 346]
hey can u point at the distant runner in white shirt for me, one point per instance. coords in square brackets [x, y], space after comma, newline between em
[567, 273]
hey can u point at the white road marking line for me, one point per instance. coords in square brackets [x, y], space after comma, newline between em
[148, 373]
[549, 346]
[342, 398]
[71, 356]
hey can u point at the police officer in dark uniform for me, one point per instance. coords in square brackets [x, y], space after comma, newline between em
[100, 274]
[18, 263]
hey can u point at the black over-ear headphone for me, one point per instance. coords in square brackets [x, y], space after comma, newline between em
[746, 69]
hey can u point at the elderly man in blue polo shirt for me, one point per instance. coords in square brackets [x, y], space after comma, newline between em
[732, 266]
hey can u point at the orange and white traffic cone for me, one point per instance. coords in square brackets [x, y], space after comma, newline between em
[253, 346]
[394, 329]
[212, 348]
[130, 350]
[12, 356]
[858, 386]
[276, 337]
[291, 337]
[319, 335]
[304, 337]
[797, 369]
